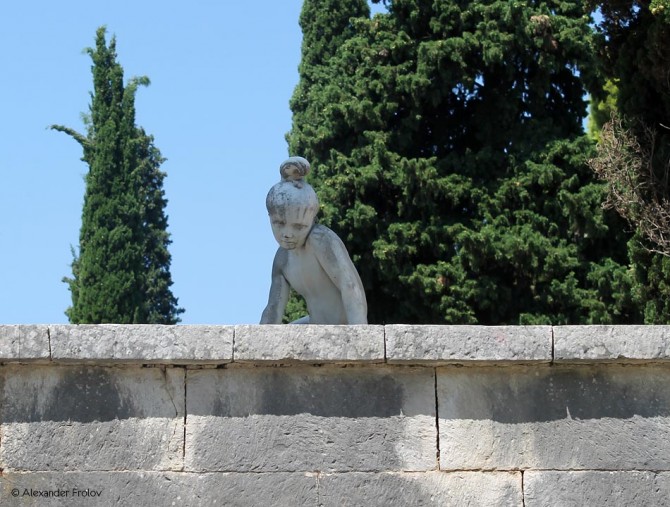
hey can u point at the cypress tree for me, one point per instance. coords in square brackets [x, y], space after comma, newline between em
[121, 273]
[635, 155]
[447, 150]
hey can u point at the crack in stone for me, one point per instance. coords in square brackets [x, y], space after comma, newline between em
[49, 342]
[437, 419]
[183, 442]
[163, 370]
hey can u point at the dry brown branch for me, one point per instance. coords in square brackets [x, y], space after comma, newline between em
[635, 189]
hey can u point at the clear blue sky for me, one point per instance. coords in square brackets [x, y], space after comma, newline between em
[222, 73]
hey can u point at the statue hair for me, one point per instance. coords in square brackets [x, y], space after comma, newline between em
[292, 191]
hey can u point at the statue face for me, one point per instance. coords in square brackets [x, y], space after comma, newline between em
[291, 226]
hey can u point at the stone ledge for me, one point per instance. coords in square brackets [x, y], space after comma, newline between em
[467, 344]
[611, 343]
[23, 343]
[142, 343]
[430, 345]
[309, 344]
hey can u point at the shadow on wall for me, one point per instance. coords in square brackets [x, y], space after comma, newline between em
[309, 418]
[551, 393]
[281, 394]
[506, 395]
[83, 394]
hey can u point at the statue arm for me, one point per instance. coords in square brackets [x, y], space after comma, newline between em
[279, 292]
[335, 261]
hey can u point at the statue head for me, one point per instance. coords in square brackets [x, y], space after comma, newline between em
[292, 204]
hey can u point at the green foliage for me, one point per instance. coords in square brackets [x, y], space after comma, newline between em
[661, 9]
[652, 290]
[601, 109]
[445, 140]
[121, 274]
[636, 55]
[296, 308]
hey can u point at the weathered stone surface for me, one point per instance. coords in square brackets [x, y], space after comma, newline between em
[305, 343]
[24, 343]
[635, 488]
[91, 418]
[142, 343]
[612, 343]
[361, 434]
[605, 417]
[9, 343]
[460, 344]
[308, 418]
[431, 488]
[157, 489]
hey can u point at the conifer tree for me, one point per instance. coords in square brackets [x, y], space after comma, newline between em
[121, 273]
[635, 156]
[447, 150]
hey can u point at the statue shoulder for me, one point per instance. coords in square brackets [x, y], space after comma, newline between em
[321, 233]
[323, 238]
[280, 258]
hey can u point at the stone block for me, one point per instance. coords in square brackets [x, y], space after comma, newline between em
[310, 419]
[91, 418]
[23, 343]
[551, 488]
[612, 343]
[109, 343]
[305, 343]
[10, 343]
[605, 417]
[416, 489]
[464, 344]
[243, 490]
[156, 488]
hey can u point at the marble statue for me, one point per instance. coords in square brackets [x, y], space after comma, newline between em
[311, 258]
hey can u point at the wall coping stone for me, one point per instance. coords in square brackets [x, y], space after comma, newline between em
[412, 344]
[314, 344]
[611, 343]
[320, 344]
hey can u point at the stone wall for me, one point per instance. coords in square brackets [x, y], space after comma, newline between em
[334, 415]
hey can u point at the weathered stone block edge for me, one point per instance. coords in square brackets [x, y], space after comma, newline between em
[531, 488]
[213, 345]
[302, 473]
